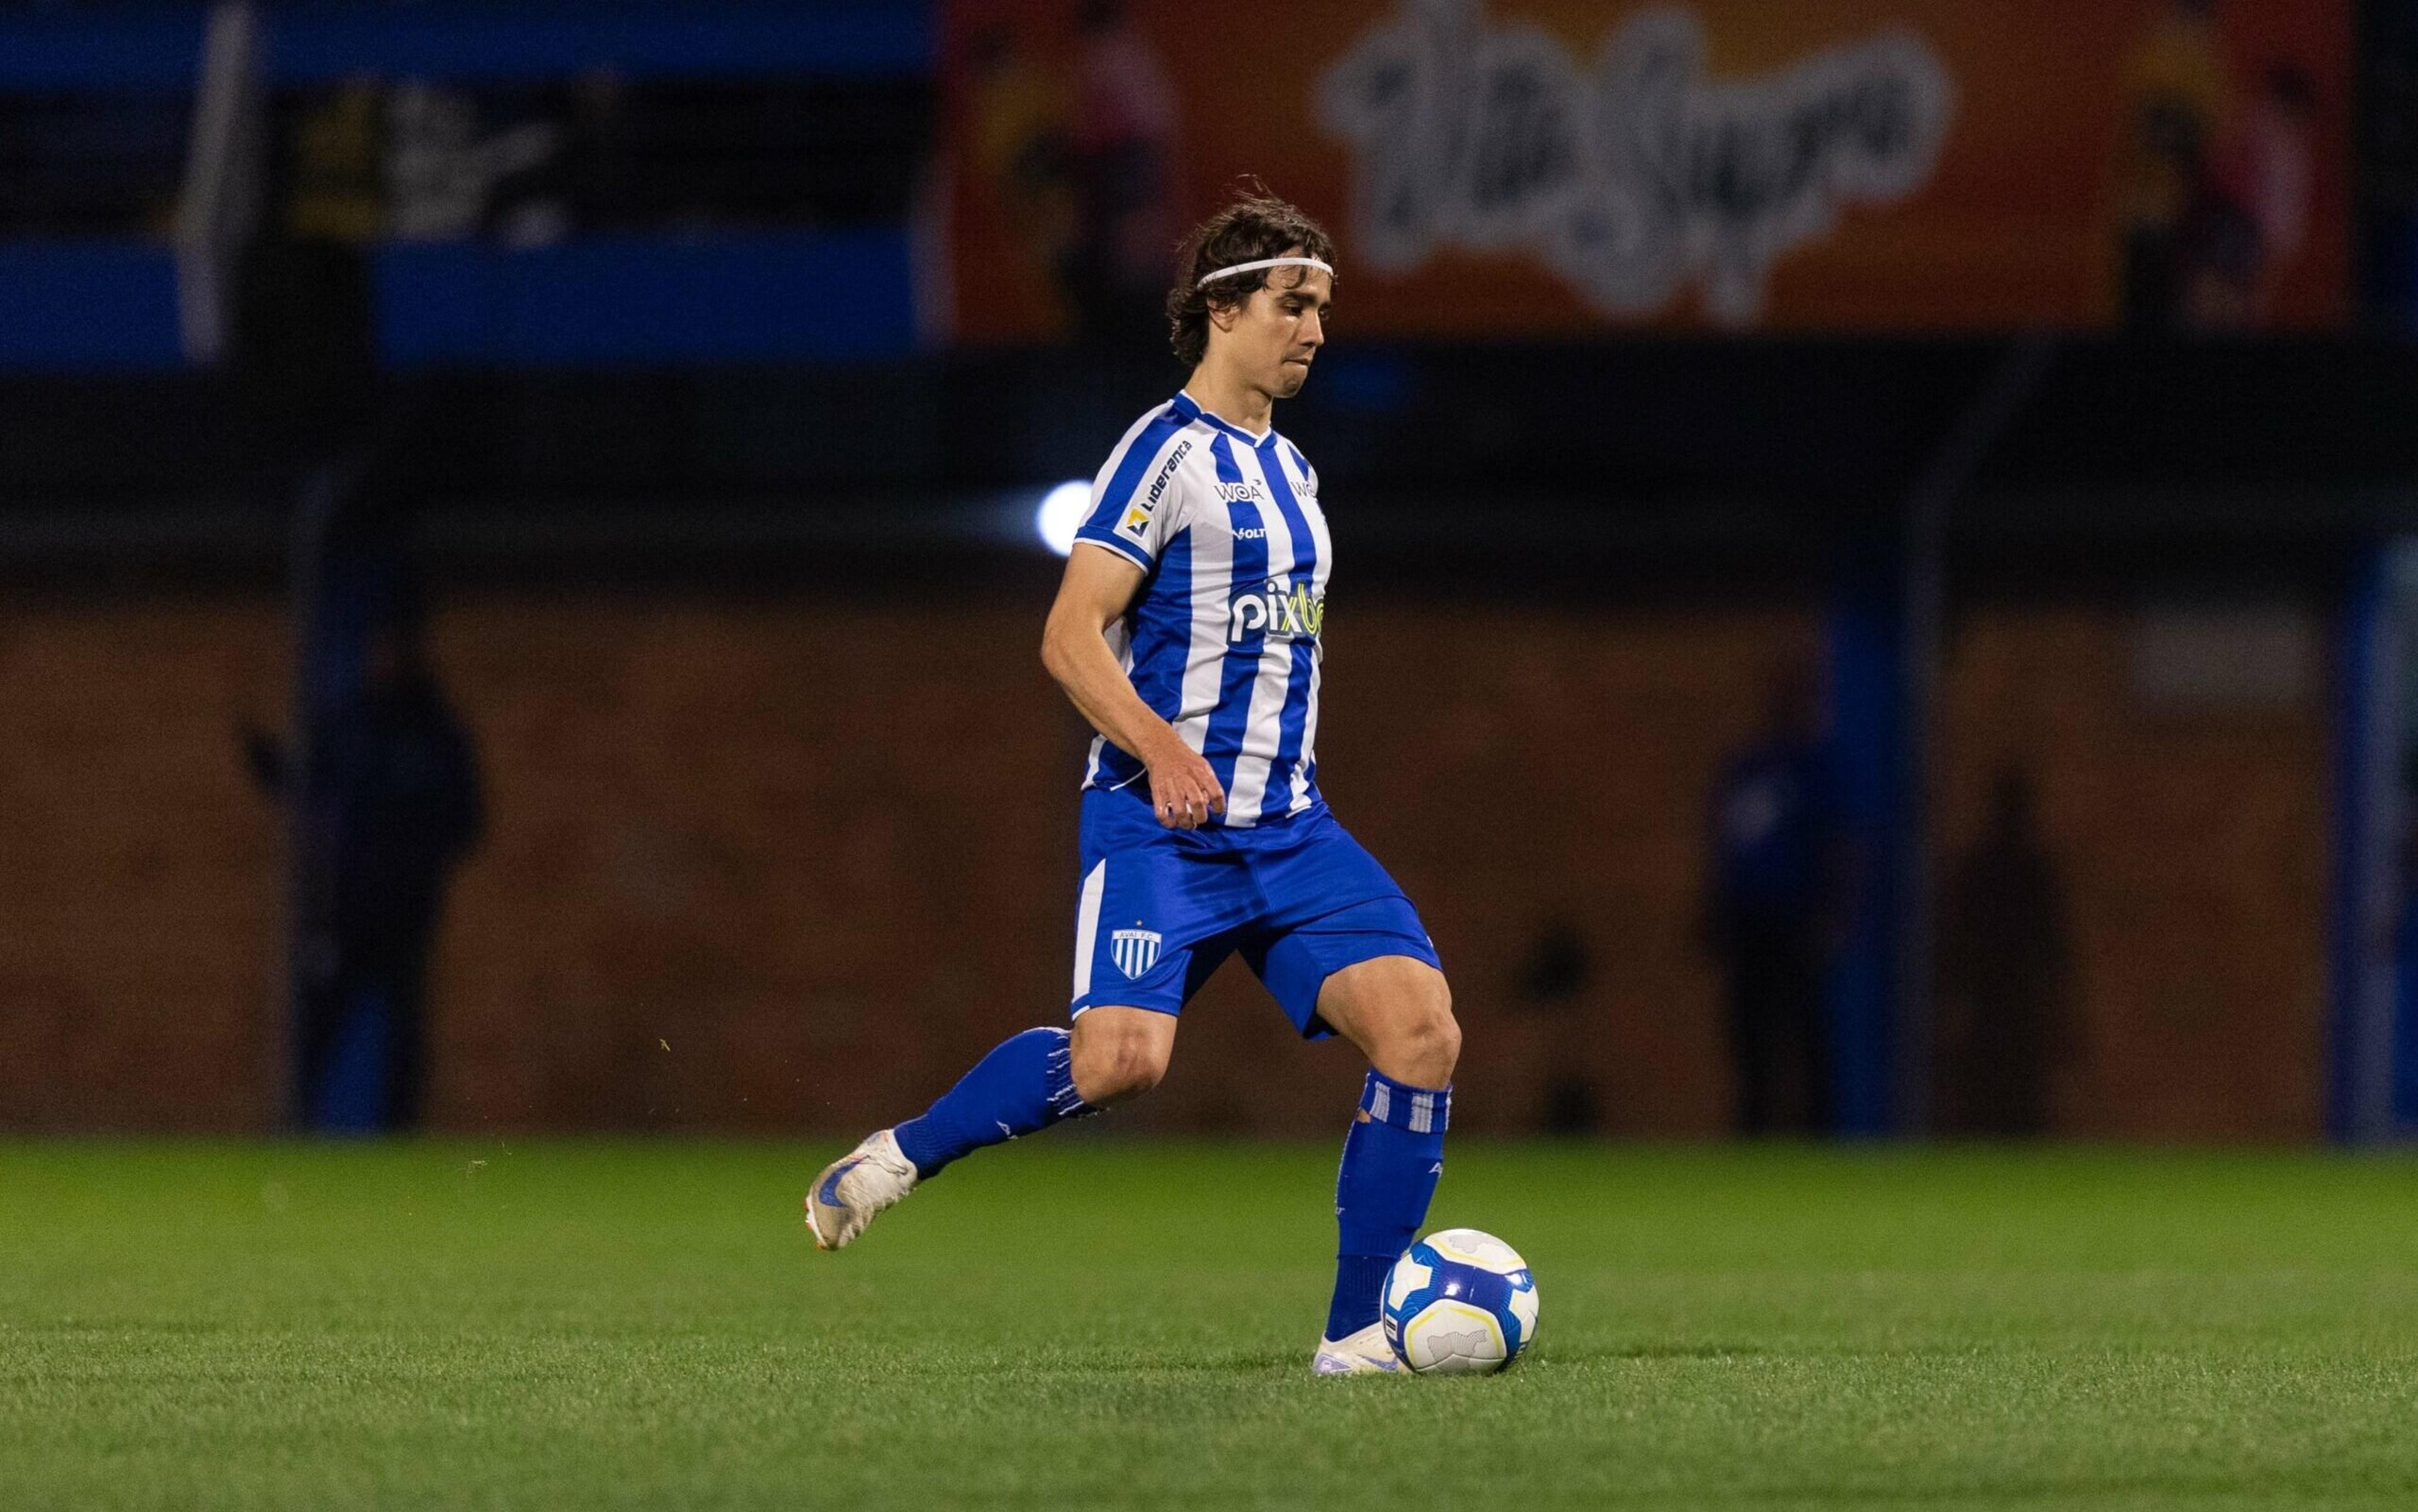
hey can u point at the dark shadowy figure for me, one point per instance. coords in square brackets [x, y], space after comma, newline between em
[1774, 906]
[2005, 972]
[1551, 983]
[394, 803]
[2249, 217]
[2176, 93]
[1123, 173]
[1021, 143]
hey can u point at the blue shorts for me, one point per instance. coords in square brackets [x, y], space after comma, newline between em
[1160, 909]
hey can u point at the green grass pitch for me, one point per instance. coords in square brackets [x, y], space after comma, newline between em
[1087, 1322]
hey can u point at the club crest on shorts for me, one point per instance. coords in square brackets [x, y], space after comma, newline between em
[1135, 951]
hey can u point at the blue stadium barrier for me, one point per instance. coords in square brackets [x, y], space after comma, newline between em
[1869, 713]
[467, 43]
[634, 300]
[748, 297]
[2354, 838]
[158, 47]
[87, 306]
[120, 49]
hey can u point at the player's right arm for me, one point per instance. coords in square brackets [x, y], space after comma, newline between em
[1098, 588]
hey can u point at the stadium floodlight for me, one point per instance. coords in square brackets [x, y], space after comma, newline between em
[1060, 513]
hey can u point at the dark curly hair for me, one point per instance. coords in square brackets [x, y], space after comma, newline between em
[1257, 224]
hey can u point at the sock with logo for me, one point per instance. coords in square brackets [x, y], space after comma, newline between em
[1391, 1160]
[1023, 1086]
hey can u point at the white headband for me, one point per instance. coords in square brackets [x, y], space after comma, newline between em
[1267, 262]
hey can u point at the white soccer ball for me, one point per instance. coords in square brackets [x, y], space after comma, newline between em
[1459, 1302]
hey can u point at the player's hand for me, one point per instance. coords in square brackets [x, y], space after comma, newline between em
[1184, 792]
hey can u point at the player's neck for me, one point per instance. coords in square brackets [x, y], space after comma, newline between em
[1231, 400]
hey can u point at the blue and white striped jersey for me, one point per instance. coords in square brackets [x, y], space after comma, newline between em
[1223, 640]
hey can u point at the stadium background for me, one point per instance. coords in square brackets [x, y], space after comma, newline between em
[716, 357]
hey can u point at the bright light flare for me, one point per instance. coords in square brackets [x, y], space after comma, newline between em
[1061, 515]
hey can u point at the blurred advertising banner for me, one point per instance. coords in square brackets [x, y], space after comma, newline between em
[1541, 167]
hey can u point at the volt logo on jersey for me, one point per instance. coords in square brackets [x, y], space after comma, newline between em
[1286, 615]
[1135, 951]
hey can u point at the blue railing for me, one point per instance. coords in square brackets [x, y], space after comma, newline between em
[87, 306]
[710, 297]
[122, 47]
[759, 297]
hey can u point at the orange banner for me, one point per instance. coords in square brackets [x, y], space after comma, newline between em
[1534, 167]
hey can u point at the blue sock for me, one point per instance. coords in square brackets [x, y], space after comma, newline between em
[1391, 1160]
[1025, 1085]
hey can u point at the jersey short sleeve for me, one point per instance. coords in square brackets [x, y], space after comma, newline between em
[1139, 501]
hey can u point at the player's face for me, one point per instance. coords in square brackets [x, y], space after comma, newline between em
[1279, 332]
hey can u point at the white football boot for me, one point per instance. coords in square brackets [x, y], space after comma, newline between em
[1363, 1354]
[855, 1188]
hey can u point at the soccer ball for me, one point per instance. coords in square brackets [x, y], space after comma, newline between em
[1459, 1303]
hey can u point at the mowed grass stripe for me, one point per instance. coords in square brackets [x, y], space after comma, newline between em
[1091, 1322]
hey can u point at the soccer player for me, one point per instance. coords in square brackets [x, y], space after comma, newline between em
[1188, 632]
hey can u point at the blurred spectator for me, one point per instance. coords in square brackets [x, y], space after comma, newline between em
[589, 185]
[1550, 983]
[392, 794]
[305, 354]
[1775, 906]
[2005, 973]
[2177, 90]
[2252, 213]
[1023, 147]
[1125, 175]
[336, 190]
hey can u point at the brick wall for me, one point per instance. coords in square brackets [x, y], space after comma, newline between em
[2194, 845]
[138, 895]
[828, 857]
[775, 865]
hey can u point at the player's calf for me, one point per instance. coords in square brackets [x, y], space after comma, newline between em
[1398, 1010]
[1023, 1086]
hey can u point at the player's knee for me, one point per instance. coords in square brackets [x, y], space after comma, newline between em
[1446, 1034]
[1420, 1035]
[1434, 1039]
[1112, 1066]
[1118, 1073]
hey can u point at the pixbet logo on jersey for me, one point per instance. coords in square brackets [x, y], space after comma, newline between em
[1286, 614]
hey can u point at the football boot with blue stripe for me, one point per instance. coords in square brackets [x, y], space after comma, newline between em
[1363, 1354]
[855, 1188]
